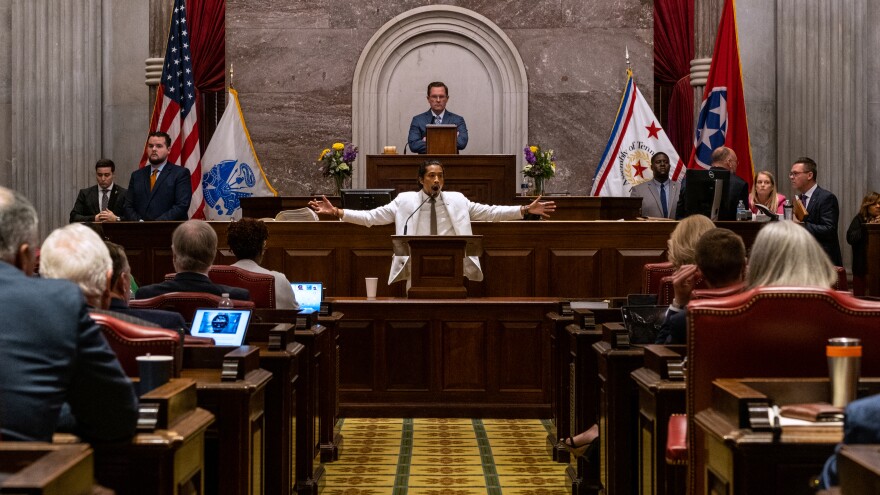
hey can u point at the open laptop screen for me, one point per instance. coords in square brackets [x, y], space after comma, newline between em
[308, 295]
[225, 325]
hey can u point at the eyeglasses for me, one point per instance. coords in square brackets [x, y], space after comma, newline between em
[437, 97]
[794, 174]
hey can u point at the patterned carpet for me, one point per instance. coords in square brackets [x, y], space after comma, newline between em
[444, 457]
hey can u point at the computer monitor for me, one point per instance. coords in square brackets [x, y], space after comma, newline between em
[309, 295]
[705, 192]
[366, 199]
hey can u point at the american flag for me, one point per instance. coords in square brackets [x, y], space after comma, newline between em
[175, 108]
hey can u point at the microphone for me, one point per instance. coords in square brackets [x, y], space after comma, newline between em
[436, 191]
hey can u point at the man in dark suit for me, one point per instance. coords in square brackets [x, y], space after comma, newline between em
[438, 96]
[161, 191]
[193, 247]
[823, 211]
[51, 352]
[103, 202]
[723, 158]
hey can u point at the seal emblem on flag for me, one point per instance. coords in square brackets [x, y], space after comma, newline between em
[226, 183]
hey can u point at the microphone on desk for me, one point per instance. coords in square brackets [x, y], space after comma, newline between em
[435, 190]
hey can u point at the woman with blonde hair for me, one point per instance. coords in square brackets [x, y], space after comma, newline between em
[683, 240]
[764, 192]
[785, 254]
[857, 237]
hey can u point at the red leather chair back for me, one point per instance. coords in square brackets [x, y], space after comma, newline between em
[769, 332]
[667, 293]
[185, 303]
[129, 341]
[653, 272]
[260, 285]
[841, 283]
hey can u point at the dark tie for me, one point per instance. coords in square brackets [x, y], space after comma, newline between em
[433, 216]
[663, 200]
[804, 200]
[437, 119]
[105, 198]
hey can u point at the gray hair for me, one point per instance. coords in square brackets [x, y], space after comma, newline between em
[785, 254]
[76, 253]
[194, 244]
[18, 223]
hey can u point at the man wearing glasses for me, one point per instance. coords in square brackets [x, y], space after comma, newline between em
[438, 96]
[822, 209]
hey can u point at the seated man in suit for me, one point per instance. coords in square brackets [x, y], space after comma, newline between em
[823, 212]
[723, 158]
[51, 352]
[438, 96]
[659, 195]
[247, 239]
[103, 202]
[450, 214]
[161, 191]
[193, 248]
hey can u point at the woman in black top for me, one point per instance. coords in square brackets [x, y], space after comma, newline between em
[857, 237]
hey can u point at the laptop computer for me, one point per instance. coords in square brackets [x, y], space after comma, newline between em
[226, 326]
[309, 296]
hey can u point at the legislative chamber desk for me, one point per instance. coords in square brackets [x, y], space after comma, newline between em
[474, 358]
[520, 258]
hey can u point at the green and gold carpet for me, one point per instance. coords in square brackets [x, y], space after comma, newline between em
[444, 457]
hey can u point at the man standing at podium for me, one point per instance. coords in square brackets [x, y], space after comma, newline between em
[438, 96]
[432, 211]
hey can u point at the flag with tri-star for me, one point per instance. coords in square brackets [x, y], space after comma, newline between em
[635, 137]
[175, 109]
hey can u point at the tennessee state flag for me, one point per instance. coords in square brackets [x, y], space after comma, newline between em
[722, 119]
[635, 138]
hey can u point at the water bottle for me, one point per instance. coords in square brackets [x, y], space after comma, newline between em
[742, 213]
[524, 189]
[225, 302]
[786, 210]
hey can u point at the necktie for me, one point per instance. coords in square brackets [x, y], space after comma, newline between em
[437, 119]
[105, 198]
[804, 200]
[153, 178]
[663, 200]
[433, 216]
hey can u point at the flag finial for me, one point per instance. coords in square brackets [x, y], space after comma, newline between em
[627, 55]
[231, 75]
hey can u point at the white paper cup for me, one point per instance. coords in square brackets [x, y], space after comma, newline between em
[372, 283]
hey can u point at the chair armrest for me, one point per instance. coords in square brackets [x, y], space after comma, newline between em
[676, 440]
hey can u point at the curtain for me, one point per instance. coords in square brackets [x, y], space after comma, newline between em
[673, 52]
[207, 33]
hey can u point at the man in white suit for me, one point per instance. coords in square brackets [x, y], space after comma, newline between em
[658, 189]
[432, 211]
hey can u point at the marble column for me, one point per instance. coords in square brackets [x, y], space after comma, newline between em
[873, 97]
[5, 92]
[160, 15]
[707, 13]
[56, 94]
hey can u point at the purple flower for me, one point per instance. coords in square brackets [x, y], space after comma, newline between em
[530, 157]
[349, 153]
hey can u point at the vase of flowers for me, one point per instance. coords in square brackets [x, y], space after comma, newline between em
[540, 166]
[336, 162]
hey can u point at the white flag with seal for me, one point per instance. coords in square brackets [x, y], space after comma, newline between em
[231, 170]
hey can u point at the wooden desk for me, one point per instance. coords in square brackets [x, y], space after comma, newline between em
[660, 396]
[858, 467]
[484, 358]
[269, 206]
[38, 468]
[331, 439]
[489, 179]
[310, 472]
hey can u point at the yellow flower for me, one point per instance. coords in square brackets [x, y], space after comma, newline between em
[323, 154]
[342, 166]
[338, 146]
[533, 149]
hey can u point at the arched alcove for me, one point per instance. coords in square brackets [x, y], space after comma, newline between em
[485, 74]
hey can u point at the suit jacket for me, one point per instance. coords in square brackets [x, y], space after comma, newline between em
[460, 210]
[861, 425]
[823, 214]
[650, 195]
[674, 328]
[418, 128]
[737, 190]
[191, 282]
[158, 317]
[51, 352]
[87, 204]
[857, 237]
[169, 199]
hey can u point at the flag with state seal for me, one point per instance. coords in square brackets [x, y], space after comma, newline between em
[231, 168]
[722, 118]
[635, 137]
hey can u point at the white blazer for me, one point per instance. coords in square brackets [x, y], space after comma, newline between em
[461, 211]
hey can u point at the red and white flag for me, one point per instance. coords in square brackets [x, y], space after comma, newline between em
[175, 110]
[635, 137]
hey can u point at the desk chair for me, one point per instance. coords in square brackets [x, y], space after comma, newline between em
[186, 303]
[260, 285]
[653, 273]
[129, 341]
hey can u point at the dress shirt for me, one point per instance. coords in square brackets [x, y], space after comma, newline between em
[101, 193]
[434, 116]
[444, 226]
[808, 194]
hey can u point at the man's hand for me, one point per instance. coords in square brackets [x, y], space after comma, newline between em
[542, 208]
[106, 216]
[683, 281]
[323, 206]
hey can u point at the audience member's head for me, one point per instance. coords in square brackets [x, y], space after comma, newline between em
[76, 253]
[869, 210]
[721, 257]
[247, 238]
[120, 281]
[785, 254]
[684, 239]
[18, 230]
[725, 157]
[193, 246]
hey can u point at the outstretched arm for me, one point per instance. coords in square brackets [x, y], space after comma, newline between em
[541, 208]
[325, 207]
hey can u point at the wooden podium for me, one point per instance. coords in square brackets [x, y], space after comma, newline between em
[441, 139]
[437, 263]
